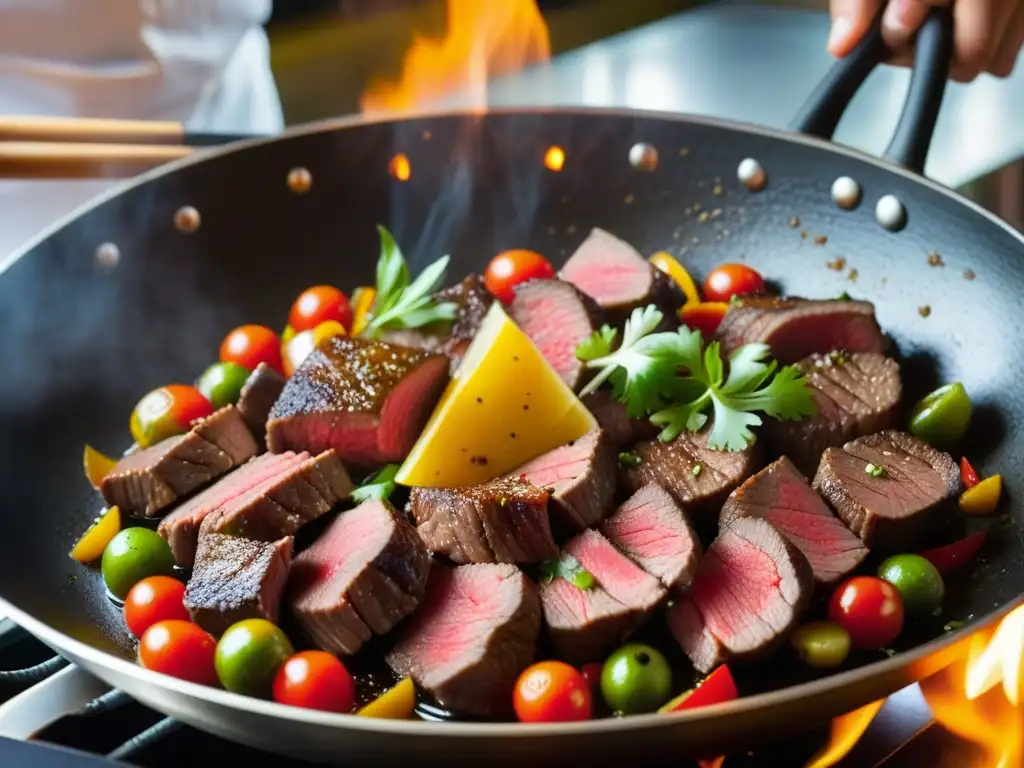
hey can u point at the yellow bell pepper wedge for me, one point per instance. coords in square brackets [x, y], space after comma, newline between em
[326, 330]
[362, 300]
[97, 466]
[983, 498]
[679, 275]
[90, 547]
[394, 704]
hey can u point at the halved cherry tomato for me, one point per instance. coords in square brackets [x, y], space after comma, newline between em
[510, 268]
[250, 345]
[552, 692]
[952, 556]
[97, 466]
[157, 598]
[179, 649]
[318, 305]
[715, 688]
[315, 680]
[166, 412]
[592, 674]
[968, 474]
[730, 280]
[297, 350]
[705, 316]
[869, 609]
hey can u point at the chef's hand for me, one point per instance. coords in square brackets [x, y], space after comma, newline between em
[989, 33]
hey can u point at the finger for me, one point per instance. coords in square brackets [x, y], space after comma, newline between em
[850, 21]
[976, 23]
[902, 19]
[1009, 47]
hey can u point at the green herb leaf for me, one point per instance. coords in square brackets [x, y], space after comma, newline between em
[628, 459]
[598, 344]
[697, 469]
[380, 485]
[566, 567]
[875, 470]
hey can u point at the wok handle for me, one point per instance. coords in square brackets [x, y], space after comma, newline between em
[820, 114]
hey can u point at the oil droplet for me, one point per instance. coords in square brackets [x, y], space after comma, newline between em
[399, 167]
[187, 219]
[554, 158]
[108, 255]
[846, 193]
[643, 156]
[300, 180]
[891, 213]
[751, 175]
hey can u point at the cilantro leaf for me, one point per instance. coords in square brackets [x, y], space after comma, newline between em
[747, 369]
[599, 344]
[566, 567]
[786, 397]
[380, 485]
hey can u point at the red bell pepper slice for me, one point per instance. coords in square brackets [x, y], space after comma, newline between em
[952, 556]
[968, 475]
[716, 688]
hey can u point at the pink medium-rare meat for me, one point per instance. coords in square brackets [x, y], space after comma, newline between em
[655, 533]
[611, 415]
[557, 317]
[581, 476]
[181, 526]
[895, 508]
[751, 588]
[258, 395]
[368, 400]
[475, 632]
[784, 497]
[617, 277]
[619, 576]
[502, 521]
[364, 574]
[795, 328]
[149, 480]
[283, 503]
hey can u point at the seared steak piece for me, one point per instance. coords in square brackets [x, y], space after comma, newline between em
[895, 509]
[581, 475]
[795, 328]
[856, 394]
[503, 521]
[784, 497]
[368, 400]
[614, 420]
[235, 579]
[148, 481]
[475, 632]
[697, 477]
[557, 317]
[283, 503]
[751, 588]
[618, 278]
[655, 533]
[364, 574]
[615, 573]
[261, 390]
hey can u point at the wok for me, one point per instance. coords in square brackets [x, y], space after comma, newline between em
[83, 339]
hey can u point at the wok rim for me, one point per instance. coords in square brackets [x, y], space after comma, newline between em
[419, 728]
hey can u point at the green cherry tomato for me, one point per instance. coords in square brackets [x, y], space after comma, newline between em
[635, 679]
[222, 383]
[918, 581]
[941, 418]
[132, 555]
[249, 655]
[821, 644]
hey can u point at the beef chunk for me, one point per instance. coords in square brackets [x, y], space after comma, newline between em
[611, 415]
[856, 394]
[503, 521]
[654, 531]
[283, 503]
[235, 579]
[615, 573]
[261, 390]
[149, 480]
[581, 475]
[368, 400]
[795, 328]
[696, 476]
[364, 574]
[751, 588]
[899, 508]
[784, 497]
[557, 317]
[618, 278]
[475, 632]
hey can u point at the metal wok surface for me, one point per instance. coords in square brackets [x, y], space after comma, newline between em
[83, 340]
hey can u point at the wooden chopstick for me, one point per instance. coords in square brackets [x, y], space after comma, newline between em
[78, 160]
[90, 130]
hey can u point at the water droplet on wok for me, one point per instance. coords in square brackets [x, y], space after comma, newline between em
[187, 219]
[891, 213]
[643, 156]
[752, 175]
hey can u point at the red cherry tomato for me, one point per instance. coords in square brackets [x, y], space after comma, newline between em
[730, 280]
[510, 268]
[318, 305]
[250, 345]
[315, 680]
[165, 412]
[592, 674]
[870, 609]
[179, 649]
[157, 598]
[552, 692]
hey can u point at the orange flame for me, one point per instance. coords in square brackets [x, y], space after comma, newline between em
[714, 762]
[484, 39]
[845, 732]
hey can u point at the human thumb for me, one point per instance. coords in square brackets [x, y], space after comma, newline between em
[850, 21]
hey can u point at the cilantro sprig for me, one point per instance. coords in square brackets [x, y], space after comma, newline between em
[401, 302]
[675, 380]
[566, 567]
[380, 485]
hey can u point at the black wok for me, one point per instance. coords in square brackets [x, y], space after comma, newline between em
[83, 339]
